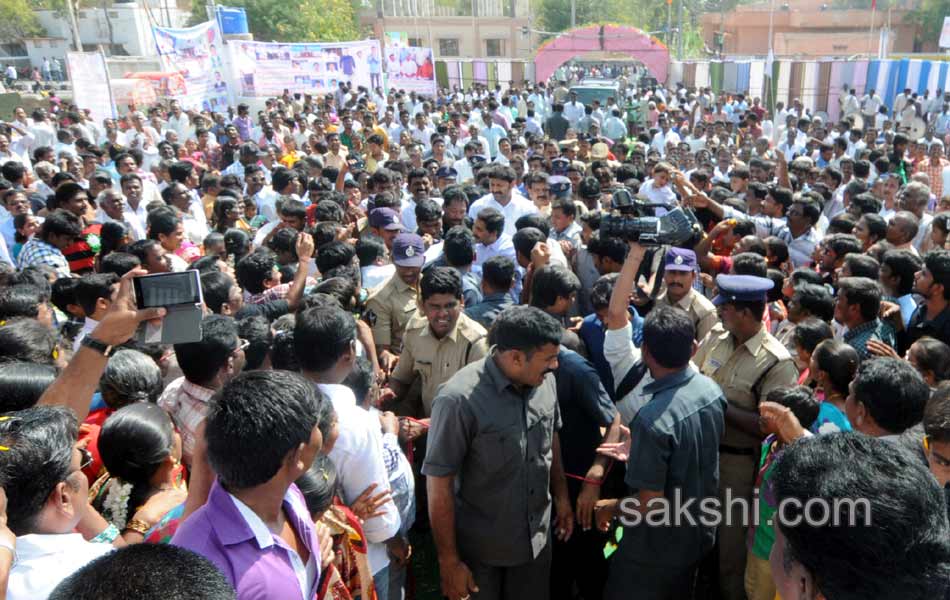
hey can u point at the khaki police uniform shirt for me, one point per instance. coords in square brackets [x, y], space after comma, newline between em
[389, 309]
[700, 309]
[435, 360]
[761, 362]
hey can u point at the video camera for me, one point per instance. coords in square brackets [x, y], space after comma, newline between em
[633, 222]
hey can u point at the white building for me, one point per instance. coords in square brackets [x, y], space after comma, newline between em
[123, 29]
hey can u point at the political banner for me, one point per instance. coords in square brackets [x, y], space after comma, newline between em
[196, 53]
[265, 69]
[88, 72]
[411, 69]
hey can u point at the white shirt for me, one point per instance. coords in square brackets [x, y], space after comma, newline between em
[573, 111]
[923, 230]
[660, 140]
[408, 213]
[899, 103]
[264, 231]
[658, 195]
[375, 275]
[131, 222]
[182, 126]
[423, 136]
[622, 355]
[696, 144]
[792, 151]
[871, 105]
[464, 170]
[493, 134]
[178, 264]
[195, 230]
[358, 457]
[500, 247]
[800, 249]
[44, 134]
[5, 253]
[516, 208]
[44, 560]
[614, 128]
[851, 105]
[266, 200]
[306, 574]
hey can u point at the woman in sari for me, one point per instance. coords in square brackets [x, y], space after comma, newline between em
[141, 452]
[349, 576]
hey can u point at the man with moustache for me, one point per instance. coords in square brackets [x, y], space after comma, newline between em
[679, 275]
[493, 465]
[504, 198]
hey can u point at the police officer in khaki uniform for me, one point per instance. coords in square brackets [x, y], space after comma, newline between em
[678, 276]
[747, 363]
[441, 341]
[394, 303]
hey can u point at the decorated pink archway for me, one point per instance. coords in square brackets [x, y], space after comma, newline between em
[602, 38]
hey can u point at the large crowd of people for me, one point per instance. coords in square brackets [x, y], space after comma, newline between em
[432, 322]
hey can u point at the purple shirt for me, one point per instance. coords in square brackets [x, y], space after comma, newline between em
[219, 532]
[243, 125]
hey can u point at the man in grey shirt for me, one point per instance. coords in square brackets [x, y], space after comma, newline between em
[493, 449]
[673, 457]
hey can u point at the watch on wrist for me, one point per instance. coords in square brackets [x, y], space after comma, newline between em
[100, 347]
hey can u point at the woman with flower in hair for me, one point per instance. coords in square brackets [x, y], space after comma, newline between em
[141, 452]
[348, 575]
[130, 376]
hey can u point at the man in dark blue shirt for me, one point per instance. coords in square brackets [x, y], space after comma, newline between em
[498, 275]
[592, 331]
[585, 409]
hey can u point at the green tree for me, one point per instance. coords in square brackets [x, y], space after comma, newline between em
[281, 21]
[555, 15]
[929, 15]
[18, 20]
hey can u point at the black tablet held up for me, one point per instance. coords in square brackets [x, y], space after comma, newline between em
[180, 295]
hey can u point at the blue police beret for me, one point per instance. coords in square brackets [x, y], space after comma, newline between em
[446, 173]
[741, 288]
[559, 185]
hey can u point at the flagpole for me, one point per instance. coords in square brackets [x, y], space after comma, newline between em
[769, 99]
[871, 28]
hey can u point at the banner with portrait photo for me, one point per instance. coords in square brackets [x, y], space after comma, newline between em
[411, 69]
[265, 69]
[197, 53]
[88, 72]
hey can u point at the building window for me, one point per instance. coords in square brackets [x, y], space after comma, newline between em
[415, 42]
[448, 47]
[494, 48]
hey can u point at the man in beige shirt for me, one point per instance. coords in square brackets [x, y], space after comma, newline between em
[747, 363]
[393, 304]
[336, 155]
[679, 275]
[440, 342]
